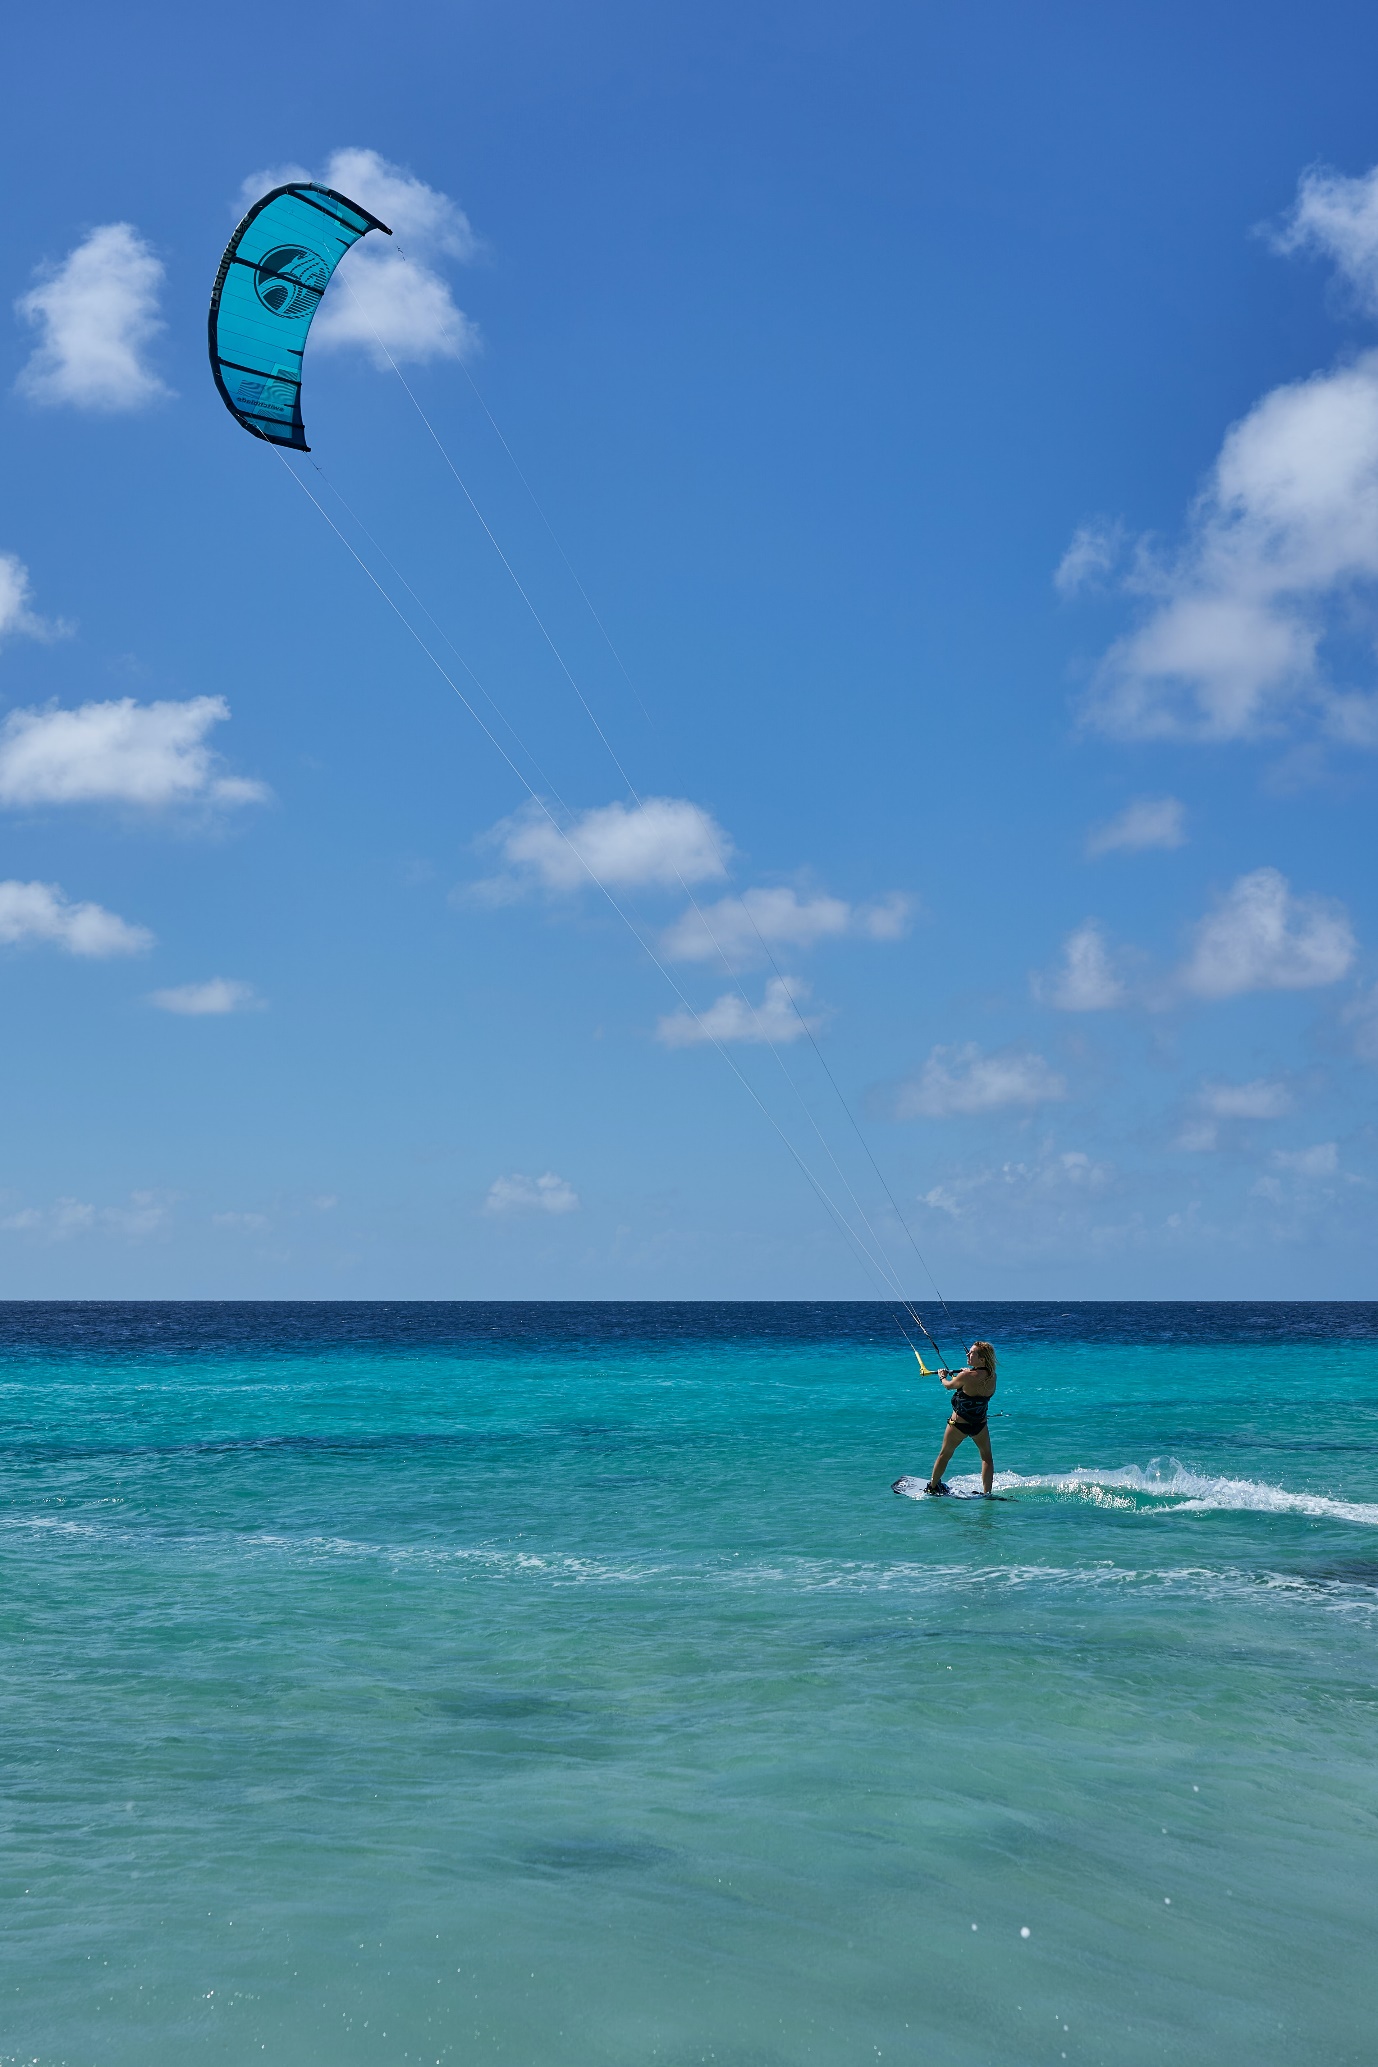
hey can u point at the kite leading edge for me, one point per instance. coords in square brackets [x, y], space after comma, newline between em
[276, 267]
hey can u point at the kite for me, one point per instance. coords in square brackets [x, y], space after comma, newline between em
[276, 267]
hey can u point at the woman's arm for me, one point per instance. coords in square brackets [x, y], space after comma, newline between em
[983, 1384]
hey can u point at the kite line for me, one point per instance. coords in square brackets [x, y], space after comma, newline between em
[275, 270]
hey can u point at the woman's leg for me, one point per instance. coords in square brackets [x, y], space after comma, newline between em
[950, 1441]
[982, 1441]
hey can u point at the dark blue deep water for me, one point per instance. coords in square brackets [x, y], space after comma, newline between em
[564, 1683]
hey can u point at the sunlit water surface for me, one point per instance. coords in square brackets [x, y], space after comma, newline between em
[565, 1683]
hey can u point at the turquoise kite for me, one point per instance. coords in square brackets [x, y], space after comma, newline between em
[276, 267]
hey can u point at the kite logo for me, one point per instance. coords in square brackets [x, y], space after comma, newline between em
[290, 280]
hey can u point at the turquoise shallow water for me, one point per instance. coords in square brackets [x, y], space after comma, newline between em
[531, 1684]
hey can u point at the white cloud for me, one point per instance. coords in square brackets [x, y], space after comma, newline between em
[517, 1194]
[740, 929]
[963, 1080]
[1086, 982]
[1094, 550]
[1147, 822]
[406, 204]
[1283, 536]
[41, 912]
[1286, 525]
[248, 1223]
[1263, 1099]
[1261, 937]
[1075, 1167]
[66, 1217]
[733, 1018]
[97, 313]
[888, 920]
[386, 300]
[1055, 1179]
[1339, 218]
[393, 306]
[1362, 1015]
[662, 842]
[151, 754]
[218, 995]
[16, 618]
[1321, 1161]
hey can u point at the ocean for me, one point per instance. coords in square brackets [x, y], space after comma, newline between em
[565, 1683]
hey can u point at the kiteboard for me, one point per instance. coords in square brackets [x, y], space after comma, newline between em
[908, 1488]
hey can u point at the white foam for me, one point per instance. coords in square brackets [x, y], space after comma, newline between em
[560, 1568]
[1179, 1490]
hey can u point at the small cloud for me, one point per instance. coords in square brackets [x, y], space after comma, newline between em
[218, 995]
[963, 1080]
[663, 842]
[397, 197]
[427, 218]
[1261, 937]
[887, 920]
[256, 184]
[1321, 1161]
[1362, 1015]
[144, 1214]
[1075, 1167]
[1148, 822]
[391, 302]
[733, 1018]
[1229, 645]
[394, 308]
[741, 930]
[96, 313]
[1086, 982]
[1263, 1099]
[326, 1203]
[248, 1223]
[150, 755]
[1095, 550]
[1056, 1184]
[17, 620]
[232, 790]
[41, 912]
[1351, 719]
[517, 1194]
[1278, 546]
[1337, 217]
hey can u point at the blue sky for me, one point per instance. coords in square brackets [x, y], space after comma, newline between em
[964, 422]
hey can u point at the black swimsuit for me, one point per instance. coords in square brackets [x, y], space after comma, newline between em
[968, 1413]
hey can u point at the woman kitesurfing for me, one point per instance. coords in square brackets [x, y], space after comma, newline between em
[971, 1389]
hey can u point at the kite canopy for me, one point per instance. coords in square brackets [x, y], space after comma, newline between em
[276, 267]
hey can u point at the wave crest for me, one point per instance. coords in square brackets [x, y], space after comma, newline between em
[1165, 1486]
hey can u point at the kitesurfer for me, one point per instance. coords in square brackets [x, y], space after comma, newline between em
[971, 1389]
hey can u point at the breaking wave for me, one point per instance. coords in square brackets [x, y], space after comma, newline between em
[1165, 1486]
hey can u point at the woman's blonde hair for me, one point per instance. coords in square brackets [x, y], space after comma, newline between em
[984, 1353]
